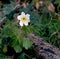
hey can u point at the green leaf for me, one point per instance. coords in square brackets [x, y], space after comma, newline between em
[0, 41]
[5, 49]
[33, 58]
[17, 48]
[27, 43]
[2, 56]
[22, 56]
[26, 30]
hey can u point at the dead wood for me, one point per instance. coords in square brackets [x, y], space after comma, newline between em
[44, 49]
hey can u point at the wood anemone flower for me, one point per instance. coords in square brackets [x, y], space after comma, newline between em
[24, 19]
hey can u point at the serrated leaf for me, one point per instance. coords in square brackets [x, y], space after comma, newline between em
[17, 48]
[27, 43]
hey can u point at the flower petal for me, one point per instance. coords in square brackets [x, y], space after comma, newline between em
[22, 13]
[29, 20]
[21, 23]
[28, 17]
[18, 17]
[26, 23]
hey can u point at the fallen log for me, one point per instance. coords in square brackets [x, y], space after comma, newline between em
[43, 49]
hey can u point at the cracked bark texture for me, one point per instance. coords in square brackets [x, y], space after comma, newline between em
[43, 49]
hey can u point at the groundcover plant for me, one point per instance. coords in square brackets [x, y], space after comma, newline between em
[19, 18]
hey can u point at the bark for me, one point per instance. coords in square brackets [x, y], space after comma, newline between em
[43, 49]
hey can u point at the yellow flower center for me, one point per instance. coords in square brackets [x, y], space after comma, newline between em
[24, 19]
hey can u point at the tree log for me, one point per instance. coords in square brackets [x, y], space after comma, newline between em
[43, 49]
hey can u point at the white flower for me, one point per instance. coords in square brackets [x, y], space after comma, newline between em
[24, 19]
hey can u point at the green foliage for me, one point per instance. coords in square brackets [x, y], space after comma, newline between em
[17, 48]
[4, 57]
[49, 31]
[26, 43]
[22, 56]
[14, 36]
[42, 23]
[57, 2]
